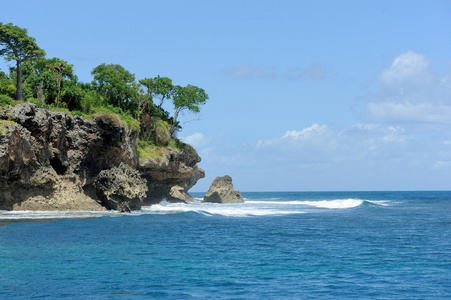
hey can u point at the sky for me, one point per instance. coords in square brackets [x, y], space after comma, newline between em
[303, 95]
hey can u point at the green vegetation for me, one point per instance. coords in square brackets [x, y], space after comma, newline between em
[18, 46]
[114, 94]
[6, 100]
[153, 151]
[149, 150]
[3, 128]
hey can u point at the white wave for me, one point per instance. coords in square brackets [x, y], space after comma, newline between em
[380, 202]
[209, 209]
[45, 215]
[336, 204]
[248, 208]
[333, 204]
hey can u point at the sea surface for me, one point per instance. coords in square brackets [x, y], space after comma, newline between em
[277, 245]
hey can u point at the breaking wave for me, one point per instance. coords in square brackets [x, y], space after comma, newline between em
[211, 209]
[336, 204]
[270, 207]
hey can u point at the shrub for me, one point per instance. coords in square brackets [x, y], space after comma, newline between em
[155, 129]
[148, 150]
[109, 118]
[162, 134]
[35, 101]
[126, 118]
[6, 100]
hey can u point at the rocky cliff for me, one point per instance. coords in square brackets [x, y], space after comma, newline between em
[54, 161]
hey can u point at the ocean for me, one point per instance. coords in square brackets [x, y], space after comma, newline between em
[276, 245]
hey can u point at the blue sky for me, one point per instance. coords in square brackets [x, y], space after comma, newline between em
[304, 95]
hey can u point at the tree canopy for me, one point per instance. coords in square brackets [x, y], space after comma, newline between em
[187, 98]
[51, 83]
[159, 87]
[114, 83]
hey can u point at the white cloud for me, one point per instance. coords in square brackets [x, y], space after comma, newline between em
[410, 92]
[392, 112]
[374, 133]
[196, 140]
[405, 67]
[310, 132]
[307, 138]
[353, 158]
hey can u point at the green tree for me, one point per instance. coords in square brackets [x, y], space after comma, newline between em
[57, 72]
[18, 46]
[186, 98]
[87, 98]
[51, 81]
[115, 84]
[7, 86]
[159, 87]
[142, 101]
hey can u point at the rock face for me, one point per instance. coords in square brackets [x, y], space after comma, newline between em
[221, 191]
[121, 188]
[171, 175]
[54, 161]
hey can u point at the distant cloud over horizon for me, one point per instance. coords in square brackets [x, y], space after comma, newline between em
[250, 72]
[314, 71]
[410, 91]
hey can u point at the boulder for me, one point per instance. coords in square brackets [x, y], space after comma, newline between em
[222, 191]
[121, 188]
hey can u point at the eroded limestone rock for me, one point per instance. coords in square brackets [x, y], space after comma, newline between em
[121, 188]
[222, 191]
[54, 161]
[171, 176]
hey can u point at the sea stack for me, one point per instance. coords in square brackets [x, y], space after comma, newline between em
[222, 191]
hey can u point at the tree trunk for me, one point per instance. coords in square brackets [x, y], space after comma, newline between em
[19, 81]
[59, 95]
[161, 103]
[174, 121]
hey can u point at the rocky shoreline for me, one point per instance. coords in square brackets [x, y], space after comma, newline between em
[55, 161]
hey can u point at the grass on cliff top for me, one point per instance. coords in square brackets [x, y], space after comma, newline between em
[126, 118]
[108, 112]
[151, 150]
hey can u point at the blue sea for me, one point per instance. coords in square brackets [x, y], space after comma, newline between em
[277, 245]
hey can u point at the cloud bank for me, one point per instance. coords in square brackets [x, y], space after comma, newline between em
[313, 72]
[410, 92]
[402, 142]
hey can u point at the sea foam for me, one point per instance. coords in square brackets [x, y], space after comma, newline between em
[333, 204]
[211, 209]
[248, 208]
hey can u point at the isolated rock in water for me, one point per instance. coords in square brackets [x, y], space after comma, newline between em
[221, 191]
[121, 188]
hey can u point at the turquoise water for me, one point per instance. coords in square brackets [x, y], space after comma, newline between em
[365, 245]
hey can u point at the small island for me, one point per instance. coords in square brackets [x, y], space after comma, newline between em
[107, 144]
